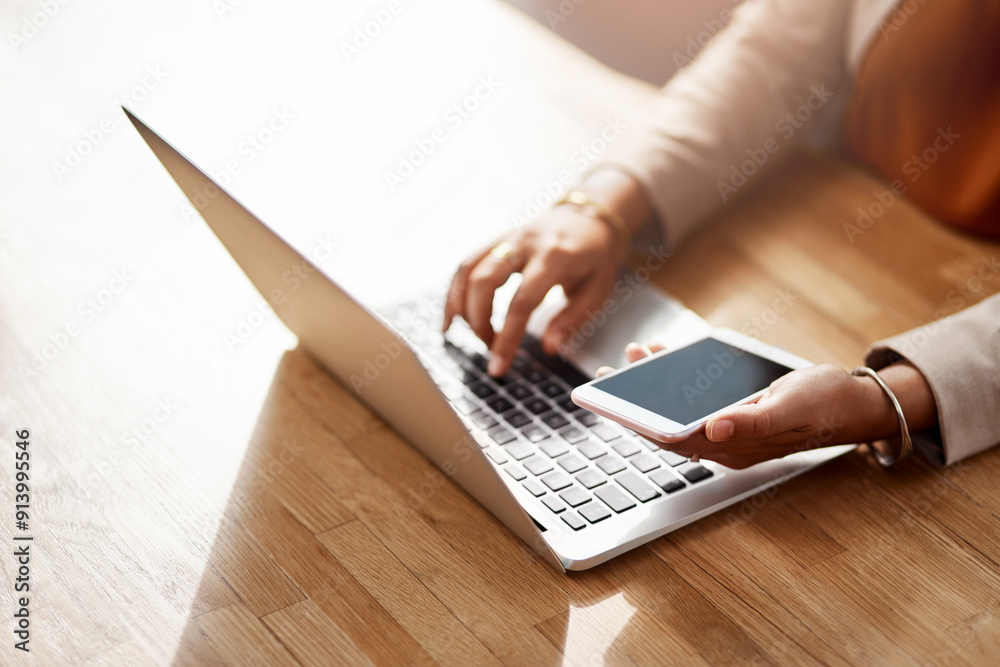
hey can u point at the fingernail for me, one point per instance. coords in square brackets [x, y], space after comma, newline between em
[722, 429]
[496, 366]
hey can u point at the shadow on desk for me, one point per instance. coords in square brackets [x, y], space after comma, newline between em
[340, 543]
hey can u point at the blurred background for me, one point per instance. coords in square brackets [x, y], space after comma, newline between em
[646, 39]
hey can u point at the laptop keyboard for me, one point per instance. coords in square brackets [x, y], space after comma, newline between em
[583, 468]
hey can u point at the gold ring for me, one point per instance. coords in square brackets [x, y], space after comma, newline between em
[503, 250]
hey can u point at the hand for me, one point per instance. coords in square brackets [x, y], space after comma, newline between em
[809, 408]
[570, 247]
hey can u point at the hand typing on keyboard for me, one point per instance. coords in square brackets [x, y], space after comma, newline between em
[573, 245]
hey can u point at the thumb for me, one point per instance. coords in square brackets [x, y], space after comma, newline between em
[747, 422]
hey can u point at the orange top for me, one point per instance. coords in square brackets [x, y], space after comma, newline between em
[926, 109]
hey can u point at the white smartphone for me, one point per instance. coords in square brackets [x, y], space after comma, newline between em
[670, 395]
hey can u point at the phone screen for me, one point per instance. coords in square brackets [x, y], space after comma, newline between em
[695, 381]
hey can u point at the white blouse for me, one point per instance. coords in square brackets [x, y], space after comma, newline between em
[753, 92]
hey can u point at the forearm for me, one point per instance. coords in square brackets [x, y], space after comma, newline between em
[690, 151]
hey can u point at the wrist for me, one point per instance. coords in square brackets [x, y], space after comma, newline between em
[877, 417]
[620, 194]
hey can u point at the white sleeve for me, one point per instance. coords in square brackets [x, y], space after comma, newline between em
[959, 356]
[730, 115]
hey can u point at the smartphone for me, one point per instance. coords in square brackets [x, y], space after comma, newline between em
[670, 395]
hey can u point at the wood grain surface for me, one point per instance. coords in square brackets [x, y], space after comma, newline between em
[200, 502]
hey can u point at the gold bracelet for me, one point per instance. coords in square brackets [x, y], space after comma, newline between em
[907, 444]
[602, 213]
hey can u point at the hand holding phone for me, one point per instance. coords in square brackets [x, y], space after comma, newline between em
[672, 394]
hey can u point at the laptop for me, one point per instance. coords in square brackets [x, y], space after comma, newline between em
[576, 488]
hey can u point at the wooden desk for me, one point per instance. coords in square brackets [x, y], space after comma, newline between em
[196, 502]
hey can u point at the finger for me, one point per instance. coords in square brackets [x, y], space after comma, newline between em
[634, 352]
[604, 370]
[455, 299]
[754, 421]
[583, 301]
[536, 283]
[485, 278]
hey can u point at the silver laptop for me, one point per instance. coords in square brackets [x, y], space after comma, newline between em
[576, 488]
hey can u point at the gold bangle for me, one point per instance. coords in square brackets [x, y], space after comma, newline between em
[602, 213]
[907, 444]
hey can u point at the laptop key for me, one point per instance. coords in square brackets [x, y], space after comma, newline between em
[551, 389]
[534, 374]
[537, 465]
[499, 404]
[672, 458]
[647, 443]
[452, 351]
[591, 449]
[637, 487]
[536, 406]
[591, 478]
[645, 462]
[519, 450]
[605, 431]
[479, 361]
[497, 455]
[626, 448]
[515, 471]
[469, 375]
[568, 406]
[533, 487]
[666, 481]
[563, 370]
[554, 448]
[694, 472]
[572, 463]
[610, 464]
[483, 419]
[588, 419]
[594, 512]
[573, 520]
[465, 406]
[554, 420]
[452, 392]
[517, 419]
[554, 504]
[519, 391]
[573, 434]
[482, 390]
[615, 498]
[575, 496]
[534, 433]
[521, 362]
[501, 435]
[557, 481]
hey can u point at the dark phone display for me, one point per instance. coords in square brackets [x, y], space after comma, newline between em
[695, 381]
